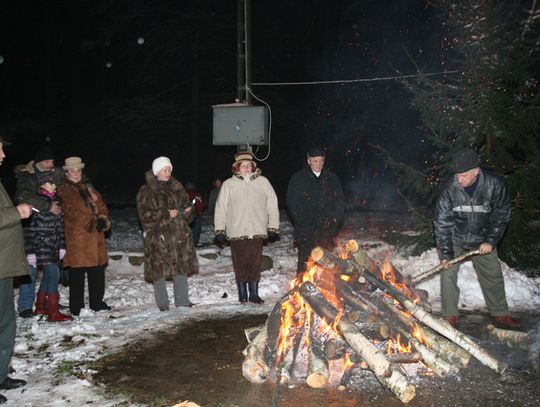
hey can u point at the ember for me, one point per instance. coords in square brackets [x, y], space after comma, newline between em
[344, 313]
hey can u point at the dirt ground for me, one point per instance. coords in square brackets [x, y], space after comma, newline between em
[201, 362]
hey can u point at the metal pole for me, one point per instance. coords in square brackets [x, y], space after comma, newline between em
[240, 52]
[247, 42]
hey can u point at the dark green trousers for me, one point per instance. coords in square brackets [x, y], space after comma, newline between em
[488, 270]
[7, 325]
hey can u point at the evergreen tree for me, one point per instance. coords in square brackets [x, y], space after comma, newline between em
[489, 101]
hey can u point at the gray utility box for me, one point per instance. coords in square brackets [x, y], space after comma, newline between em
[239, 123]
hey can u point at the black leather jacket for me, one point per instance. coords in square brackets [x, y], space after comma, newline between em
[465, 221]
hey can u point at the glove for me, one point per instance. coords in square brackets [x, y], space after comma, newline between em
[61, 253]
[220, 240]
[32, 260]
[273, 236]
[100, 225]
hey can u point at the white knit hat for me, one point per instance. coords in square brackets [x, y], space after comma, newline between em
[159, 163]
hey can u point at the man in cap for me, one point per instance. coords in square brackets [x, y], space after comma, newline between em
[316, 204]
[13, 263]
[27, 191]
[472, 212]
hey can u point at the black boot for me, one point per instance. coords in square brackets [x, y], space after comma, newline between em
[242, 291]
[254, 293]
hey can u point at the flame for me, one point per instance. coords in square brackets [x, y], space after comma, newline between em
[387, 274]
[395, 346]
[418, 333]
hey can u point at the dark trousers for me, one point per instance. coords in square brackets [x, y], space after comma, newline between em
[306, 245]
[196, 227]
[247, 257]
[7, 325]
[96, 287]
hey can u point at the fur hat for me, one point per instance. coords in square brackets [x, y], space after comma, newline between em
[73, 162]
[43, 154]
[43, 177]
[465, 160]
[316, 152]
[243, 156]
[159, 163]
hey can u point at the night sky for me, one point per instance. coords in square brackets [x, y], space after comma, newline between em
[122, 82]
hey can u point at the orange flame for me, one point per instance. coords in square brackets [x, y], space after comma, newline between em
[395, 346]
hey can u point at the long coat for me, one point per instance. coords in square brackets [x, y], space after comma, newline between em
[85, 246]
[12, 257]
[316, 204]
[26, 191]
[168, 242]
[44, 237]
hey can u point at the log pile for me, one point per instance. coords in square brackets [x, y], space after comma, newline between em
[348, 313]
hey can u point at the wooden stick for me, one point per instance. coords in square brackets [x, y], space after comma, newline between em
[387, 373]
[417, 279]
[413, 357]
[513, 339]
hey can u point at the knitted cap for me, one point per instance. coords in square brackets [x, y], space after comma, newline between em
[43, 154]
[465, 160]
[43, 177]
[159, 163]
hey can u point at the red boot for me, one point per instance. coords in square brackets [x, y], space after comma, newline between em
[53, 310]
[41, 303]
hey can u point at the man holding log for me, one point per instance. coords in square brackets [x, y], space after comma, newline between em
[316, 204]
[472, 212]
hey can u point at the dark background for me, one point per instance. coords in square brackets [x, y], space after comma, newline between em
[121, 82]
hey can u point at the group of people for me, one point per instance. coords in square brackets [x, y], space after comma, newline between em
[65, 219]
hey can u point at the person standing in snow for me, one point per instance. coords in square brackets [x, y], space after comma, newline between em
[316, 204]
[86, 218]
[45, 247]
[197, 201]
[165, 212]
[246, 214]
[212, 199]
[13, 264]
[27, 191]
[472, 211]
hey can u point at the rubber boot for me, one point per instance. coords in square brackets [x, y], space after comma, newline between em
[53, 310]
[254, 293]
[242, 292]
[41, 303]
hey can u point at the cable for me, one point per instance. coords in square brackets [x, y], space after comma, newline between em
[269, 128]
[384, 78]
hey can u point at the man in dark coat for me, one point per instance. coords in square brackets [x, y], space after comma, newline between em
[316, 204]
[12, 263]
[472, 212]
[27, 191]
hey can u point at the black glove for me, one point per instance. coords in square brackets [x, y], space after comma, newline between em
[220, 240]
[273, 236]
[100, 225]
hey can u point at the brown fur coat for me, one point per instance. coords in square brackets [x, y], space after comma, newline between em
[168, 243]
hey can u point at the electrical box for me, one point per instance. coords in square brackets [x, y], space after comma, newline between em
[239, 123]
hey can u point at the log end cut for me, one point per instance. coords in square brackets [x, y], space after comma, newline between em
[255, 371]
[317, 380]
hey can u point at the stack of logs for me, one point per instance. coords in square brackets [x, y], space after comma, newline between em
[341, 309]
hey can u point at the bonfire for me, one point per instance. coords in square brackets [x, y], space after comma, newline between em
[345, 313]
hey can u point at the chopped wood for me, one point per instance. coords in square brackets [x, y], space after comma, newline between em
[412, 357]
[513, 339]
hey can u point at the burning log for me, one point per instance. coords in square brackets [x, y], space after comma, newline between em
[318, 373]
[413, 357]
[387, 373]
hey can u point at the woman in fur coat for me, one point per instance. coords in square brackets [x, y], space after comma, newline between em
[246, 214]
[165, 212]
[86, 218]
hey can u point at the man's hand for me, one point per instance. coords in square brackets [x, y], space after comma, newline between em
[25, 210]
[485, 248]
[445, 265]
[56, 209]
[220, 240]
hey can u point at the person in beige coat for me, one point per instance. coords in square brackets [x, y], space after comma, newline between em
[246, 214]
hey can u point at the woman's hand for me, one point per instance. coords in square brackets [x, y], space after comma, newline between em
[173, 212]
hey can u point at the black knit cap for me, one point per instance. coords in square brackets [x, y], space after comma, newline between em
[43, 177]
[43, 153]
[465, 160]
[316, 152]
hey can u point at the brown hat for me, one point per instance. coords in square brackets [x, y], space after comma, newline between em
[73, 162]
[243, 156]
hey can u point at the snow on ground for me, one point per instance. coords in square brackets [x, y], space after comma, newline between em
[54, 357]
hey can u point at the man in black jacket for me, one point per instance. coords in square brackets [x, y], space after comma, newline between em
[316, 204]
[472, 212]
